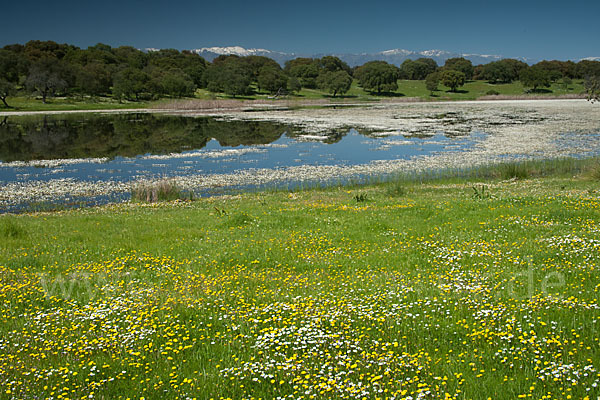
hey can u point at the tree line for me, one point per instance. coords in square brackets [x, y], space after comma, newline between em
[47, 69]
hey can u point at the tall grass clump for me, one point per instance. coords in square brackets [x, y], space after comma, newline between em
[163, 190]
[9, 228]
[593, 170]
[514, 171]
[396, 189]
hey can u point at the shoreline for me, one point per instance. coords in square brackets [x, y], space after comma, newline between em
[286, 104]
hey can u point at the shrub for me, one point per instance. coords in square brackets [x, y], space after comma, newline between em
[492, 92]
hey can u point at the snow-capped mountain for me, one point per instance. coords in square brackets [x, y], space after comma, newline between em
[590, 59]
[398, 56]
[210, 53]
[393, 56]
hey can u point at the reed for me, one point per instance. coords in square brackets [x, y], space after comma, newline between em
[163, 190]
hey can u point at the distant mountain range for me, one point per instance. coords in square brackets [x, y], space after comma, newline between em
[395, 56]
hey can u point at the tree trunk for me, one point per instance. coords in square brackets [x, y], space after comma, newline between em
[3, 98]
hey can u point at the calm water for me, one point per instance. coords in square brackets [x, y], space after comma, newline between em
[125, 147]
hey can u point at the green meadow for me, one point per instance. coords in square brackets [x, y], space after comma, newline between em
[472, 90]
[407, 89]
[473, 285]
[25, 103]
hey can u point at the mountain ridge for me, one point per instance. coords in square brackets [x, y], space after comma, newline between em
[393, 56]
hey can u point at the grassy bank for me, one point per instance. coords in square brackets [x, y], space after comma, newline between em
[407, 90]
[480, 286]
[70, 104]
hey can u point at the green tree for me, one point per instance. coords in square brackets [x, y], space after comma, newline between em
[431, 82]
[495, 72]
[230, 75]
[177, 83]
[35, 50]
[460, 64]
[186, 61]
[452, 79]
[586, 68]
[432, 66]
[93, 79]
[47, 76]
[294, 84]
[554, 69]
[256, 63]
[334, 82]
[130, 83]
[305, 69]
[505, 70]
[128, 56]
[535, 77]
[417, 69]
[272, 79]
[9, 74]
[6, 89]
[9, 66]
[333, 64]
[378, 76]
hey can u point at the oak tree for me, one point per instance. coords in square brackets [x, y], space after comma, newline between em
[378, 76]
[453, 79]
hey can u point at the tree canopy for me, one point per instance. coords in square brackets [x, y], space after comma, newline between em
[417, 69]
[378, 76]
[47, 69]
[460, 64]
[271, 78]
[535, 77]
[230, 75]
[305, 69]
[453, 79]
[505, 70]
[335, 82]
[130, 83]
[431, 82]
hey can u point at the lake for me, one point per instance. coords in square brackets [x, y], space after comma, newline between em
[94, 158]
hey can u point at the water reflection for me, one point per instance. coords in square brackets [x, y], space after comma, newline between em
[95, 158]
[126, 135]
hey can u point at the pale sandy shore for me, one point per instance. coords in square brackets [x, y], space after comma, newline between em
[514, 129]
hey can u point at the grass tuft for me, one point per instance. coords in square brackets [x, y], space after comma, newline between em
[164, 190]
[9, 228]
[360, 197]
[515, 171]
[396, 189]
[594, 170]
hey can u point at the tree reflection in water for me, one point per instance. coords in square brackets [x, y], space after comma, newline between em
[27, 138]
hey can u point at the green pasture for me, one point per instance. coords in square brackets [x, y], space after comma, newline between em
[461, 284]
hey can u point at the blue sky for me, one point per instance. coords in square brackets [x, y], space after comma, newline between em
[536, 29]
